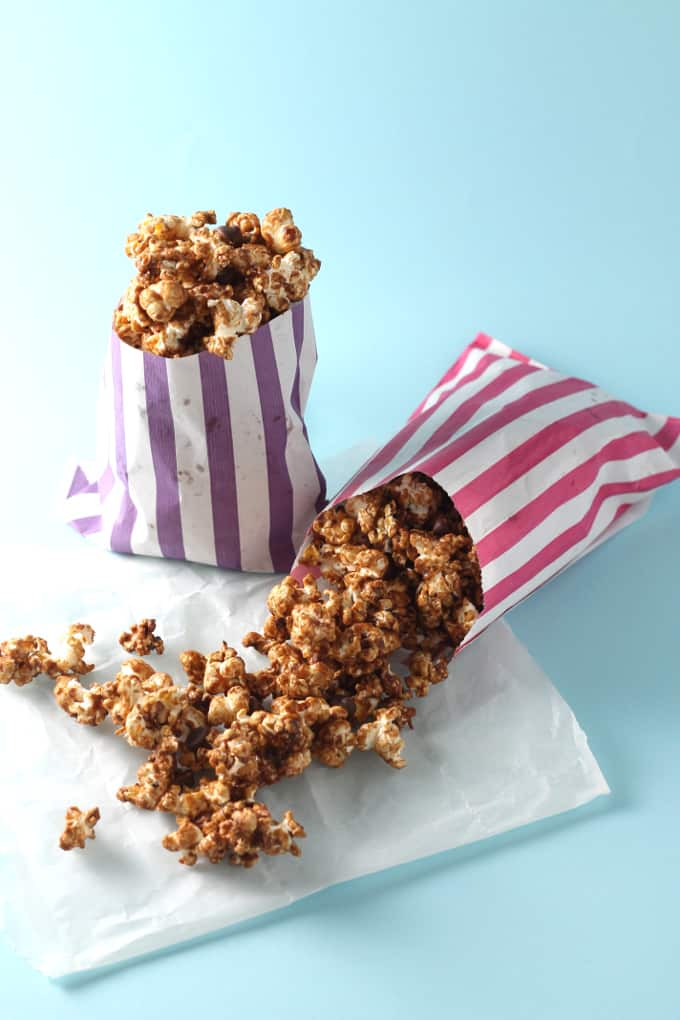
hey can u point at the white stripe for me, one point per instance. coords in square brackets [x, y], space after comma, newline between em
[472, 359]
[191, 447]
[427, 428]
[106, 445]
[105, 425]
[512, 499]
[498, 347]
[603, 528]
[299, 458]
[467, 466]
[570, 513]
[307, 354]
[250, 458]
[141, 477]
[673, 451]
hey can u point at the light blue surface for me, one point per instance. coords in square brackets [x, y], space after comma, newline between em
[510, 167]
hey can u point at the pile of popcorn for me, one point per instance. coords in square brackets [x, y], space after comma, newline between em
[392, 570]
[199, 288]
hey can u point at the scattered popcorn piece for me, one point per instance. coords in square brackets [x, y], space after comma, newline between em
[425, 670]
[70, 657]
[140, 639]
[335, 739]
[79, 827]
[83, 705]
[154, 778]
[187, 837]
[192, 803]
[163, 718]
[23, 659]
[223, 669]
[224, 708]
[134, 679]
[240, 830]
[383, 734]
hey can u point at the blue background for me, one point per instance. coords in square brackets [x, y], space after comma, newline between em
[507, 167]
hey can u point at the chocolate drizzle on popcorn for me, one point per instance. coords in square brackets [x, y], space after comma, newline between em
[199, 287]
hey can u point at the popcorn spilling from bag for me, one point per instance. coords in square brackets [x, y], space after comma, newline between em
[395, 569]
[199, 288]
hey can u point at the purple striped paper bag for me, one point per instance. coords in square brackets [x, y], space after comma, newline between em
[204, 459]
[543, 467]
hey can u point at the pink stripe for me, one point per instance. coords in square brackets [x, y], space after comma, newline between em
[450, 373]
[479, 369]
[508, 414]
[517, 527]
[489, 618]
[483, 341]
[572, 536]
[517, 355]
[668, 434]
[460, 416]
[536, 449]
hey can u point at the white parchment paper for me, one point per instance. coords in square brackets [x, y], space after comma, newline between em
[494, 747]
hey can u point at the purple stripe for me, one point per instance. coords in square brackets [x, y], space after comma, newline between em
[164, 456]
[121, 531]
[276, 434]
[79, 483]
[298, 311]
[220, 460]
[87, 525]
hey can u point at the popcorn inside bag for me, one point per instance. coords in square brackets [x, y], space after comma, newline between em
[203, 451]
[541, 466]
[199, 288]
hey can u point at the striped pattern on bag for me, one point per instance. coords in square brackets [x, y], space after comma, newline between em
[204, 459]
[543, 467]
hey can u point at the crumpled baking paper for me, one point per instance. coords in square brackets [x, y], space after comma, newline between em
[493, 748]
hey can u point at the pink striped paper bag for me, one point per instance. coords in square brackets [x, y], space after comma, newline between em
[541, 466]
[205, 459]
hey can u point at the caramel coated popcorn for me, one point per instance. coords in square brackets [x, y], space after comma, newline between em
[398, 570]
[393, 570]
[199, 286]
[23, 659]
[141, 640]
[79, 827]
[240, 831]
